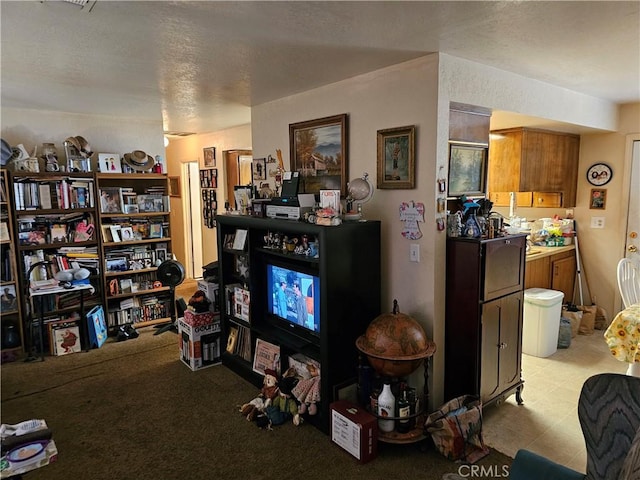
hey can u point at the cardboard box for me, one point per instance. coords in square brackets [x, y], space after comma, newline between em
[199, 339]
[354, 429]
[212, 292]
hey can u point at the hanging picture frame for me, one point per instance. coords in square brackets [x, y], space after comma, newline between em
[209, 155]
[319, 151]
[396, 158]
[467, 169]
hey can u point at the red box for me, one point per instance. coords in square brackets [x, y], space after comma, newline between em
[354, 429]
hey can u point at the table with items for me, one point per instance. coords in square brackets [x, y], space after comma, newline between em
[623, 338]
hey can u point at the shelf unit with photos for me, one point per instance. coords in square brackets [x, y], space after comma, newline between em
[340, 276]
[10, 304]
[54, 220]
[135, 238]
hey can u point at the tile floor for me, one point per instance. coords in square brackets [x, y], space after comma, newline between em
[547, 421]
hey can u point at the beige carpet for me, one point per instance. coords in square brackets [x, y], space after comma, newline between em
[132, 410]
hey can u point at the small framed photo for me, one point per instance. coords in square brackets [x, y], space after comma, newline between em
[155, 230]
[110, 200]
[109, 163]
[161, 254]
[259, 169]
[131, 209]
[598, 199]
[8, 299]
[118, 264]
[209, 154]
[126, 233]
[396, 158]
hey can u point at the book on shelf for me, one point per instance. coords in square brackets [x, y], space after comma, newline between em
[4, 232]
[232, 339]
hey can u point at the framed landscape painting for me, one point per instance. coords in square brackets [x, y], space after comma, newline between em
[467, 170]
[319, 150]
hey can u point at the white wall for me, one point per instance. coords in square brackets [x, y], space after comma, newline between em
[105, 134]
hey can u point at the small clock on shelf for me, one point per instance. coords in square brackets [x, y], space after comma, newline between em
[599, 174]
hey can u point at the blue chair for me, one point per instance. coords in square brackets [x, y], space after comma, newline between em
[609, 414]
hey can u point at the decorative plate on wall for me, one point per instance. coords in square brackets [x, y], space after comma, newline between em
[599, 174]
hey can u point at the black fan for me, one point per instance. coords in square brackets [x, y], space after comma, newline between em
[170, 274]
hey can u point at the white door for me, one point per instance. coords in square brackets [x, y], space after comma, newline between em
[193, 209]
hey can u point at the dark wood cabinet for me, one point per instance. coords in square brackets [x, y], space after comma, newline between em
[483, 331]
[346, 293]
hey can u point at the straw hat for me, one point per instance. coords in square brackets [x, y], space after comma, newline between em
[81, 145]
[139, 160]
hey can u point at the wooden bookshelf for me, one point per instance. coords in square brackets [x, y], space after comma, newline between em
[10, 308]
[135, 238]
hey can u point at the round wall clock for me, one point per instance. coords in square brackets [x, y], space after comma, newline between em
[599, 174]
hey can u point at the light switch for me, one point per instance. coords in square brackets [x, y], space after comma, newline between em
[414, 252]
[597, 222]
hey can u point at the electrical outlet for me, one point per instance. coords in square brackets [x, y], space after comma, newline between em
[414, 252]
[597, 222]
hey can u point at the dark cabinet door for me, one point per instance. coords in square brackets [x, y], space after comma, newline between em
[490, 351]
[503, 266]
[500, 354]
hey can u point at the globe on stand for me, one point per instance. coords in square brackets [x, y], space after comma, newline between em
[359, 191]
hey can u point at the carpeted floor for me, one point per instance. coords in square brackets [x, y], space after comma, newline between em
[132, 410]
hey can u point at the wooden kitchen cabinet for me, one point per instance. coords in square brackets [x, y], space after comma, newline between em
[553, 272]
[541, 162]
[483, 325]
[563, 274]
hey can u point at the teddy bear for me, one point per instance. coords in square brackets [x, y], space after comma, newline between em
[284, 406]
[268, 392]
[307, 391]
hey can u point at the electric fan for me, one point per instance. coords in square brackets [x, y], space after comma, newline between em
[171, 274]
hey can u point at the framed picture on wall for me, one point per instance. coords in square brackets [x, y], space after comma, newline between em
[319, 150]
[209, 155]
[598, 199]
[467, 170]
[396, 157]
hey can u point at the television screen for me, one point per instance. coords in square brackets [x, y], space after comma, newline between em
[294, 297]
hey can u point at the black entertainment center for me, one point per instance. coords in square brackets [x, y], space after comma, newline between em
[340, 280]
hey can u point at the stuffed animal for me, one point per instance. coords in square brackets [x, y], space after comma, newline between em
[268, 392]
[284, 406]
[198, 302]
[307, 391]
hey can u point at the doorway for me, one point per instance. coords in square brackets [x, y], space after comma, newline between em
[193, 207]
[237, 167]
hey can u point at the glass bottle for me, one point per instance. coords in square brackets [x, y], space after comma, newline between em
[386, 408]
[404, 411]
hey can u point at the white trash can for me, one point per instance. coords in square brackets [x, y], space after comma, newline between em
[541, 321]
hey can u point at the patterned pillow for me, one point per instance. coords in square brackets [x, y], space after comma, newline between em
[631, 466]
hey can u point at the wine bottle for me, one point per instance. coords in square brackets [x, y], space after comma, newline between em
[386, 408]
[404, 411]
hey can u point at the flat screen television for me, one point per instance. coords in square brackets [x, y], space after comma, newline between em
[293, 299]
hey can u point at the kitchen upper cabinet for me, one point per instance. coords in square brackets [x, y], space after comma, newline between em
[469, 124]
[542, 165]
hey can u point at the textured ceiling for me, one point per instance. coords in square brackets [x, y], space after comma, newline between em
[202, 65]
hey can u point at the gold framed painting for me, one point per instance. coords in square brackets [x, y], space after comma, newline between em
[396, 158]
[319, 150]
